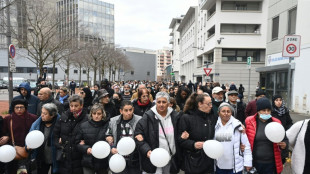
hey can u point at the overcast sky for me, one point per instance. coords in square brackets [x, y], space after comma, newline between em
[145, 23]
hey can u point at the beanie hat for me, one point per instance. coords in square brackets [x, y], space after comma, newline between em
[225, 104]
[263, 103]
[276, 97]
[259, 92]
[19, 102]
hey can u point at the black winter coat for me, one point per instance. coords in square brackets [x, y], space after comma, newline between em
[140, 110]
[240, 112]
[201, 127]
[91, 132]
[110, 109]
[60, 107]
[285, 119]
[67, 128]
[148, 127]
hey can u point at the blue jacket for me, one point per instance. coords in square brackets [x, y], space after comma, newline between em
[32, 100]
[34, 152]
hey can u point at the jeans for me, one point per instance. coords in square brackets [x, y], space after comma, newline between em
[265, 168]
[225, 171]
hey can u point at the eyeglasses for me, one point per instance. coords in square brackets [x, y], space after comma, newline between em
[209, 104]
[19, 107]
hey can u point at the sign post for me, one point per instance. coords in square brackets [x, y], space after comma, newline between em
[291, 49]
[249, 60]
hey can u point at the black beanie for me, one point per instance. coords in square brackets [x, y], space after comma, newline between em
[259, 92]
[276, 97]
[263, 103]
[19, 102]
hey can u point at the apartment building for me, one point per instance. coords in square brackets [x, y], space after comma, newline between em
[163, 60]
[280, 75]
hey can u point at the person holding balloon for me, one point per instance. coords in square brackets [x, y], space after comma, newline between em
[65, 132]
[156, 138]
[199, 122]
[90, 132]
[299, 138]
[228, 131]
[15, 128]
[124, 126]
[266, 142]
[45, 155]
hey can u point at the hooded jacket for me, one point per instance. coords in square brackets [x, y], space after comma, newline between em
[32, 100]
[240, 159]
[148, 127]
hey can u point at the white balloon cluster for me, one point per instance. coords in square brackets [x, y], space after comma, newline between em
[34, 139]
[101, 149]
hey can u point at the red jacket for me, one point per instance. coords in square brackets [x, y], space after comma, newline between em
[251, 124]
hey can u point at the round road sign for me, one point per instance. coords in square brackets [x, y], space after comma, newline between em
[291, 48]
[12, 51]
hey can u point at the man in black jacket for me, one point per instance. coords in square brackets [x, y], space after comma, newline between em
[65, 132]
[45, 95]
[149, 135]
[239, 109]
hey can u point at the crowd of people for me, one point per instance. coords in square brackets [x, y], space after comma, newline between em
[177, 117]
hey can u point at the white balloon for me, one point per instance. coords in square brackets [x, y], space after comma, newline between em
[7, 153]
[101, 149]
[160, 157]
[117, 163]
[213, 149]
[275, 132]
[34, 139]
[126, 146]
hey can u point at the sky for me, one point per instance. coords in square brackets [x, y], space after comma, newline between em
[145, 23]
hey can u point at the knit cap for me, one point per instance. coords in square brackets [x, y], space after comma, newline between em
[263, 103]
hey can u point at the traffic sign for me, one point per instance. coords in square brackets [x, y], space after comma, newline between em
[172, 74]
[291, 46]
[249, 60]
[207, 71]
[12, 65]
[12, 51]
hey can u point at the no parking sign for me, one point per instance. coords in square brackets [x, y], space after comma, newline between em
[291, 46]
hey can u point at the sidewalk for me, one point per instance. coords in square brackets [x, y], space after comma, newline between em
[4, 107]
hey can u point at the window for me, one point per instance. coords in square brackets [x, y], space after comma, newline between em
[275, 28]
[241, 5]
[75, 71]
[66, 71]
[240, 28]
[132, 72]
[211, 11]
[148, 73]
[84, 71]
[292, 21]
[240, 55]
[211, 31]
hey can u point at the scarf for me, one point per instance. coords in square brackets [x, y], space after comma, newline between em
[42, 126]
[61, 99]
[281, 110]
[143, 104]
[77, 114]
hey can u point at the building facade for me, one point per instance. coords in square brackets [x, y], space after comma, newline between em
[86, 19]
[282, 75]
[163, 60]
[188, 42]
[175, 41]
[142, 62]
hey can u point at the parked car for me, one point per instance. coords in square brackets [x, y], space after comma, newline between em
[3, 85]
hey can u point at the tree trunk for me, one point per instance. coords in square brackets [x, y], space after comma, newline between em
[68, 67]
[95, 72]
[88, 76]
[53, 80]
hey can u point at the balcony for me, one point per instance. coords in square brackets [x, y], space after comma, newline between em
[206, 4]
[171, 33]
[171, 41]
